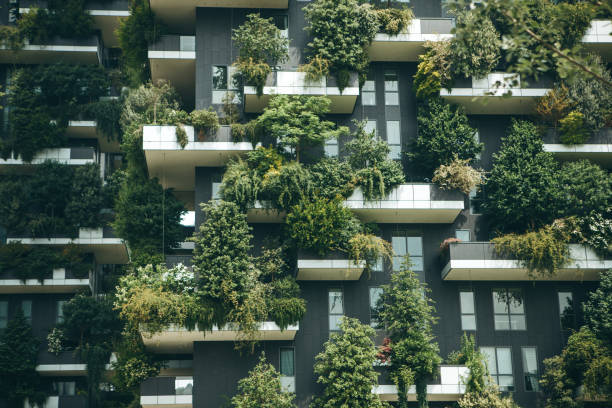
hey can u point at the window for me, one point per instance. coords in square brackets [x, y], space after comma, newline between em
[394, 139]
[370, 126]
[183, 385]
[530, 368]
[59, 311]
[462, 235]
[282, 23]
[331, 147]
[219, 77]
[368, 92]
[499, 363]
[287, 369]
[216, 187]
[26, 308]
[403, 246]
[474, 202]
[468, 312]
[3, 314]
[336, 309]
[567, 313]
[477, 140]
[375, 294]
[508, 309]
[64, 387]
[391, 88]
[223, 83]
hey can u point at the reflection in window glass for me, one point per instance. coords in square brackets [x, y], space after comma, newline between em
[468, 312]
[331, 148]
[403, 246]
[394, 139]
[3, 314]
[59, 311]
[474, 202]
[219, 77]
[370, 126]
[462, 235]
[64, 388]
[508, 309]
[336, 309]
[26, 308]
[287, 363]
[216, 191]
[499, 363]
[566, 312]
[183, 385]
[391, 88]
[530, 368]
[368, 93]
[375, 294]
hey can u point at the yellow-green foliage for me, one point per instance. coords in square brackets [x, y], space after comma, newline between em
[393, 21]
[370, 248]
[573, 129]
[253, 73]
[541, 252]
[458, 175]
[554, 105]
[316, 69]
[433, 71]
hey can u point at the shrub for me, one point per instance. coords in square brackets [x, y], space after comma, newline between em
[107, 115]
[541, 252]
[316, 69]
[253, 73]
[443, 134]
[458, 175]
[287, 186]
[555, 105]
[240, 186]
[259, 40]
[573, 130]
[393, 21]
[205, 121]
[369, 248]
[11, 37]
[475, 52]
[598, 309]
[332, 178]
[585, 188]
[434, 69]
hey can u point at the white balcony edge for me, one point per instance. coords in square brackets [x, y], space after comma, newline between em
[172, 55]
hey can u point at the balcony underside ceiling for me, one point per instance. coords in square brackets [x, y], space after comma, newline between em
[340, 104]
[598, 153]
[516, 274]
[411, 215]
[179, 71]
[495, 105]
[40, 54]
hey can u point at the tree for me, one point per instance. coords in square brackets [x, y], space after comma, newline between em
[296, 122]
[260, 40]
[598, 309]
[586, 188]
[345, 368]
[406, 313]
[18, 358]
[262, 389]
[443, 134]
[522, 191]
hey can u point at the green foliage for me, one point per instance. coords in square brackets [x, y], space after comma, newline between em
[107, 114]
[18, 359]
[297, 122]
[434, 69]
[262, 389]
[43, 99]
[260, 40]
[60, 18]
[135, 34]
[341, 30]
[459, 175]
[393, 21]
[489, 398]
[332, 178]
[522, 169]
[573, 130]
[555, 105]
[253, 73]
[555, 385]
[205, 121]
[586, 188]
[472, 358]
[368, 247]
[475, 51]
[287, 186]
[321, 225]
[541, 252]
[345, 368]
[443, 134]
[407, 314]
[316, 69]
[240, 185]
[598, 309]
[11, 37]
[373, 171]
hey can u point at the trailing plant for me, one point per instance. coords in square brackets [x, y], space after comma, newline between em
[459, 175]
[246, 131]
[11, 37]
[240, 185]
[473, 359]
[316, 69]
[262, 388]
[352, 377]
[444, 134]
[19, 379]
[407, 314]
[541, 252]
[205, 121]
[135, 34]
[253, 73]
[573, 130]
[181, 136]
[434, 69]
[340, 31]
[287, 186]
[393, 21]
[370, 248]
[107, 114]
[474, 52]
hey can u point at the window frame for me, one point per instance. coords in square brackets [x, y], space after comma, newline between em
[412, 257]
[496, 376]
[329, 313]
[509, 314]
[370, 91]
[397, 146]
[526, 374]
[391, 93]
[462, 313]
[374, 316]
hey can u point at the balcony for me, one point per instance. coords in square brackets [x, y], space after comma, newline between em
[74, 156]
[409, 203]
[598, 148]
[180, 14]
[497, 94]
[73, 51]
[335, 267]
[59, 281]
[173, 58]
[88, 129]
[599, 38]
[102, 242]
[408, 45]
[478, 261]
[295, 83]
[451, 387]
[175, 392]
[180, 340]
[174, 166]
[62, 401]
[106, 15]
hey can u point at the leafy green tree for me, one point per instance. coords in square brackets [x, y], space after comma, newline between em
[474, 52]
[135, 33]
[555, 386]
[18, 358]
[340, 31]
[262, 389]
[86, 197]
[586, 188]
[259, 39]
[443, 134]
[406, 313]
[598, 309]
[522, 190]
[345, 368]
[296, 122]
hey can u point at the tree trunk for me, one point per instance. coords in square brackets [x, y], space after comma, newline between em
[421, 390]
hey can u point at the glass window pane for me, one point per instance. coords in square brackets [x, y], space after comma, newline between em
[287, 362]
[463, 235]
[370, 126]
[183, 385]
[391, 83]
[331, 150]
[393, 132]
[368, 98]
[468, 322]
[391, 98]
[26, 307]
[467, 302]
[395, 152]
[415, 246]
[60, 311]
[517, 322]
[397, 262]
[219, 77]
[369, 86]
[3, 314]
[530, 361]
[505, 382]
[489, 354]
[70, 388]
[566, 303]
[216, 187]
[499, 302]
[502, 322]
[515, 301]
[531, 383]
[281, 22]
[504, 360]
[334, 322]
[335, 302]
[375, 294]
[399, 245]
[417, 263]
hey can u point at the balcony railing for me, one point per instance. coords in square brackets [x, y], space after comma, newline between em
[451, 387]
[408, 45]
[480, 261]
[597, 148]
[336, 266]
[167, 392]
[295, 83]
[83, 50]
[71, 155]
[58, 281]
[599, 38]
[499, 93]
